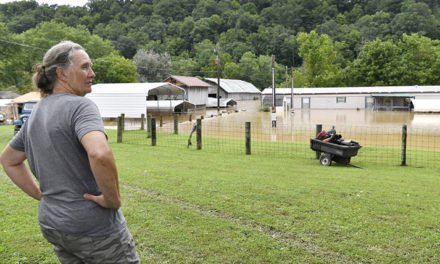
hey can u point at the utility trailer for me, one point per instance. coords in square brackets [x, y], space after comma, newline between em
[329, 152]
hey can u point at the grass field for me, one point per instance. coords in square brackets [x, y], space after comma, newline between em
[188, 206]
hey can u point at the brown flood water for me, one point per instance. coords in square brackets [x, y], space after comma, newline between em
[249, 111]
[378, 127]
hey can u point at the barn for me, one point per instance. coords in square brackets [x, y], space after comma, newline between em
[237, 90]
[196, 90]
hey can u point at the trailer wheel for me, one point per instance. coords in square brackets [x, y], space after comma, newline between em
[325, 159]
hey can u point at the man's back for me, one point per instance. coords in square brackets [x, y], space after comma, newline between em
[52, 142]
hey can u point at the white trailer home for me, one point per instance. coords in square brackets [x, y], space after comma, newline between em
[135, 99]
[387, 98]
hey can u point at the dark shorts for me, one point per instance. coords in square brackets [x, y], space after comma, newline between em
[114, 248]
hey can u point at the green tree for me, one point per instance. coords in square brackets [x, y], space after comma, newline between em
[204, 53]
[38, 40]
[374, 26]
[319, 58]
[234, 42]
[258, 70]
[12, 75]
[418, 60]
[378, 64]
[416, 18]
[114, 69]
[183, 65]
[231, 70]
[152, 66]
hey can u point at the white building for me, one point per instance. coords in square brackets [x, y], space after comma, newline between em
[376, 98]
[233, 89]
[133, 99]
[196, 90]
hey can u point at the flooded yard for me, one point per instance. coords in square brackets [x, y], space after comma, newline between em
[248, 111]
[379, 132]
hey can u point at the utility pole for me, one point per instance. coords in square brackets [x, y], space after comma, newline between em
[293, 76]
[274, 108]
[217, 62]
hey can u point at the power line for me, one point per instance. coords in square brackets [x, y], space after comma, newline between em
[20, 44]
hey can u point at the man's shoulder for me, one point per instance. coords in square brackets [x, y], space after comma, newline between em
[71, 98]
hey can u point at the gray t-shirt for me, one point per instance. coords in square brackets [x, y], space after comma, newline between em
[51, 140]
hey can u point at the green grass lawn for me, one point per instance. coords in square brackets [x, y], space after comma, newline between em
[205, 206]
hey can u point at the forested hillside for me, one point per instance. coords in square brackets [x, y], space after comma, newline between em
[321, 43]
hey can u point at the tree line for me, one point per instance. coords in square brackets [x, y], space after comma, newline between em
[316, 43]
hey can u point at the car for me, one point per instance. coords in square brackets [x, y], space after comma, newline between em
[2, 118]
[24, 115]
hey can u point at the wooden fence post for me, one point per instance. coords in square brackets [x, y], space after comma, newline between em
[148, 126]
[248, 137]
[199, 134]
[119, 130]
[404, 137]
[176, 124]
[153, 132]
[123, 121]
[318, 129]
[142, 121]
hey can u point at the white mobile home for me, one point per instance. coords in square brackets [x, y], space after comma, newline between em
[113, 99]
[376, 98]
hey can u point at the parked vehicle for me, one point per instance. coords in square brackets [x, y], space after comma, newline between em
[2, 118]
[24, 115]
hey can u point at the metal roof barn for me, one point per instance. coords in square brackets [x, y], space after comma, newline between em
[113, 99]
[235, 89]
[196, 90]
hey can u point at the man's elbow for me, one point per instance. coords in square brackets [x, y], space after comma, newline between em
[6, 161]
[102, 155]
[115, 204]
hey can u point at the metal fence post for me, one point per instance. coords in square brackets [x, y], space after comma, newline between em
[404, 137]
[153, 132]
[248, 137]
[199, 134]
[318, 129]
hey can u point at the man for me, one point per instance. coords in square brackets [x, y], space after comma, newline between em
[66, 148]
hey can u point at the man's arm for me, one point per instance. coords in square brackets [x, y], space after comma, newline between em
[13, 164]
[103, 168]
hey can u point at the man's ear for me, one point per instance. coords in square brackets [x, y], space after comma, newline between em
[61, 74]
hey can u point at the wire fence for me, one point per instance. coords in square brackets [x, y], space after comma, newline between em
[382, 145]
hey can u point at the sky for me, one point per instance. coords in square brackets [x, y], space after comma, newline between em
[58, 2]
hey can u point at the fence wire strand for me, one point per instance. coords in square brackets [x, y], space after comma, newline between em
[382, 145]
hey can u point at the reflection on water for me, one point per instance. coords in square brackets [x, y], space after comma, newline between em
[248, 111]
